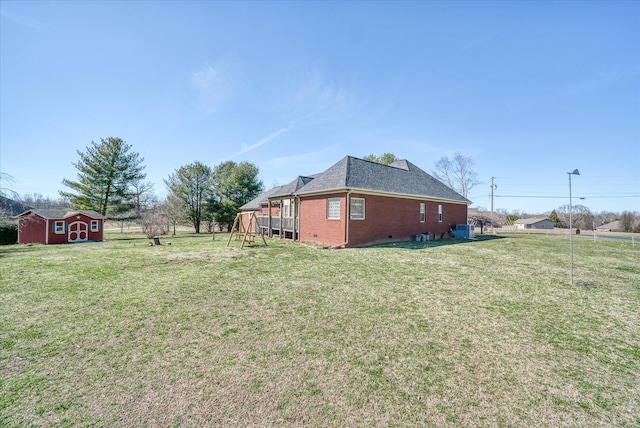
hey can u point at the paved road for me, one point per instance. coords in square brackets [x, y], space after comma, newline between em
[622, 237]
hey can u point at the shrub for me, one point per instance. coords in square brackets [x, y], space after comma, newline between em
[8, 232]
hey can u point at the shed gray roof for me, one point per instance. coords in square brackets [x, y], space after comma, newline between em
[58, 214]
[401, 177]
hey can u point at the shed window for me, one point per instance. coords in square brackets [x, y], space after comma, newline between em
[58, 227]
[440, 213]
[423, 212]
[95, 225]
[333, 208]
[357, 208]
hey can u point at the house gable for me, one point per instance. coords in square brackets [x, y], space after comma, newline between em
[402, 178]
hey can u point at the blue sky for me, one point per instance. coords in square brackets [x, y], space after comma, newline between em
[529, 90]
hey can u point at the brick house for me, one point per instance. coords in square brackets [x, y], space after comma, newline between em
[357, 202]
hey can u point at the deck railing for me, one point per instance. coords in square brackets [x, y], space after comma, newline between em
[287, 223]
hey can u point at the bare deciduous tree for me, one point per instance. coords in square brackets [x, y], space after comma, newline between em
[144, 198]
[581, 216]
[457, 173]
[154, 222]
[5, 180]
[175, 210]
[627, 220]
[36, 200]
[605, 217]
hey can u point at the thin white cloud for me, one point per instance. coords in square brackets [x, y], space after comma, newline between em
[306, 163]
[34, 24]
[305, 93]
[259, 143]
[213, 86]
[602, 80]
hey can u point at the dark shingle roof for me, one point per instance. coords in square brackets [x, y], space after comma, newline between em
[58, 214]
[287, 189]
[402, 177]
[293, 187]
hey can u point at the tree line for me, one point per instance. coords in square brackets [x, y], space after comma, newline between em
[459, 174]
[111, 181]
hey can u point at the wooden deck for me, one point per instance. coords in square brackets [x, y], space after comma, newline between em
[281, 227]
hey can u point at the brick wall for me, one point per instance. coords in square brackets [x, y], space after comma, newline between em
[398, 219]
[314, 225]
[386, 219]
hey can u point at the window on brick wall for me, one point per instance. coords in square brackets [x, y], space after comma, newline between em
[333, 208]
[357, 208]
[423, 212]
[440, 213]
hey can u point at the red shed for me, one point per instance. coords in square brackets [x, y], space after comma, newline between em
[59, 227]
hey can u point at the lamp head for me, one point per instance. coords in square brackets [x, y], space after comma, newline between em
[575, 172]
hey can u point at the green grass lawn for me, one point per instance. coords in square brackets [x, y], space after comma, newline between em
[415, 334]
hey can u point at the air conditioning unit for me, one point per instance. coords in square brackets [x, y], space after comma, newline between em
[466, 231]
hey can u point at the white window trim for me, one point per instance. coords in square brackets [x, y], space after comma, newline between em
[440, 213]
[95, 225]
[363, 209]
[423, 212]
[58, 227]
[329, 201]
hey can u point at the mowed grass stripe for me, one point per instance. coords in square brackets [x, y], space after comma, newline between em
[485, 333]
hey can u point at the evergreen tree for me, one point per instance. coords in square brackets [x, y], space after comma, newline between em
[555, 219]
[106, 171]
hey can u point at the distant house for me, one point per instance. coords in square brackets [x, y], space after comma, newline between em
[533, 223]
[59, 227]
[357, 202]
[614, 226]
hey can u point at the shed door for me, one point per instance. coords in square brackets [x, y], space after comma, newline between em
[78, 232]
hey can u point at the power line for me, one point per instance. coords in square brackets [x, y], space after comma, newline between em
[563, 197]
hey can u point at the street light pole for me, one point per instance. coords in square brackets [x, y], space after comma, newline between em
[493, 187]
[575, 172]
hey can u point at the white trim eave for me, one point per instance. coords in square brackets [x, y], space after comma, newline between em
[283, 196]
[379, 193]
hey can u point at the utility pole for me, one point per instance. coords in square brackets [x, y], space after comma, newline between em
[493, 187]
